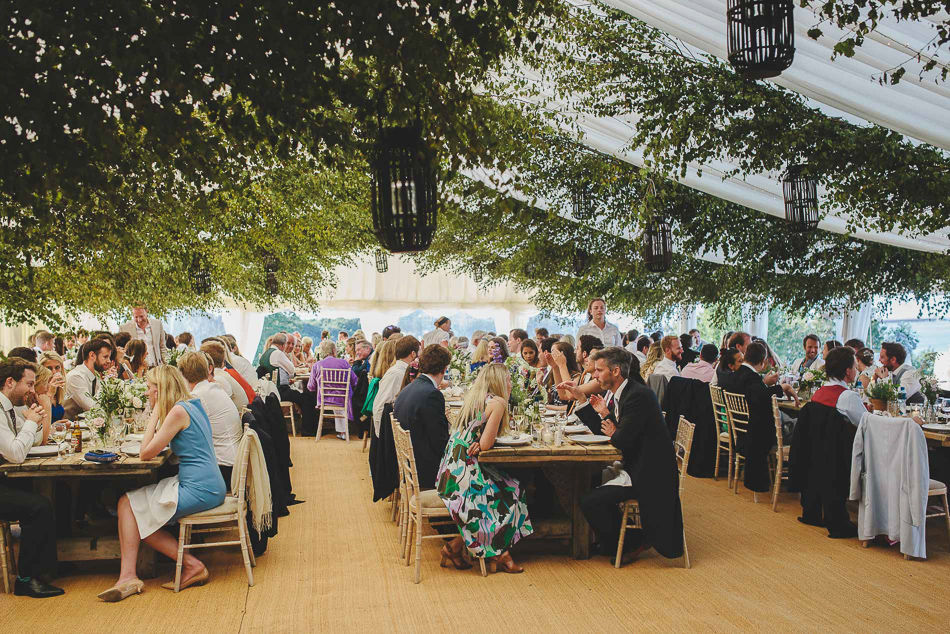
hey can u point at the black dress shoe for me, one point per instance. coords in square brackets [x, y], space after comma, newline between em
[36, 589]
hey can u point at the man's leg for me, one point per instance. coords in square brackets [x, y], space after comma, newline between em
[601, 508]
[307, 401]
[37, 530]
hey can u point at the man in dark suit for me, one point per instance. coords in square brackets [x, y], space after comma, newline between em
[756, 444]
[630, 415]
[688, 355]
[420, 408]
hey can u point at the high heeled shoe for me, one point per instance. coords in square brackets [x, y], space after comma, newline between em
[199, 579]
[118, 592]
[458, 561]
[507, 565]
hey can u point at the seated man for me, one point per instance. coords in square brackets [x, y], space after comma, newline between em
[893, 367]
[812, 360]
[361, 362]
[82, 382]
[235, 391]
[226, 428]
[18, 433]
[672, 354]
[420, 408]
[630, 415]
[703, 369]
[276, 358]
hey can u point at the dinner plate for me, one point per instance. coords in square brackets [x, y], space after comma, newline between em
[131, 448]
[45, 450]
[572, 418]
[575, 429]
[937, 427]
[513, 441]
[455, 403]
[590, 439]
[135, 437]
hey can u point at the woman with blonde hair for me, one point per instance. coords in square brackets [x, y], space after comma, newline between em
[383, 358]
[41, 388]
[654, 356]
[57, 383]
[307, 351]
[180, 421]
[487, 504]
[481, 356]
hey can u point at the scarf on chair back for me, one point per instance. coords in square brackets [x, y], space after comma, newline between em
[258, 496]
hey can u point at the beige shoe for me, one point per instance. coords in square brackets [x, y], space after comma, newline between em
[119, 592]
[198, 580]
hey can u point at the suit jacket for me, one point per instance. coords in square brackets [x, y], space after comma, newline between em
[420, 408]
[760, 438]
[689, 355]
[157, 344]
[649, 460]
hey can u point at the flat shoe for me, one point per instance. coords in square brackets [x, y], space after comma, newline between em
[198, 580]
[127, 589]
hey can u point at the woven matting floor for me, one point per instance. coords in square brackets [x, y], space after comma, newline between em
[333, 568]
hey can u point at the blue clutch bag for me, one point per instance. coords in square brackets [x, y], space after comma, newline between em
[101, 456]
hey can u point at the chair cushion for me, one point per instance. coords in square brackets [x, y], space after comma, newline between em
[230, 506]
[430, 500]
[937, 488]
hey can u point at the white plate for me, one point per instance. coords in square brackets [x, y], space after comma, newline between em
[572, 418]
[44, 451]
[575, 429]
[131, 448]
[591, 439]
[513, 441]
[455, 403]
[135, 437]
[937, 427]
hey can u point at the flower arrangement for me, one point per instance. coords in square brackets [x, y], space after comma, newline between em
[813, 378]
[171, 356]
[523, 378]
[884, 391]
[461, 361]
[929, 388]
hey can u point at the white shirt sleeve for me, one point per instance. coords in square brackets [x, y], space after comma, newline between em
[280, 360]
[14, 448]
[79, 388]
[910, 381]
[851, 407]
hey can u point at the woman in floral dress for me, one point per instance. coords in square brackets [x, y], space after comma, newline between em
[487, 504]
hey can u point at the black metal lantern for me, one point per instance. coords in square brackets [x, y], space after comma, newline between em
[582, 201]
[801, 198]
[403, 200]
[761, 36]
[658, 246]
[200, 277]
[382, 261]
[271, 282]
[580, 262]
[478, 275]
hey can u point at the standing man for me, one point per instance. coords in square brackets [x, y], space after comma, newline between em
[515, 337]
[740, 341]
[82, 382]
[18, 433]
[893, 356]
[812, 360]
[598, 325]
[672, 353]
[151, 332]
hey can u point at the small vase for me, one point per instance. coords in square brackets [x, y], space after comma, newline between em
[879, 405]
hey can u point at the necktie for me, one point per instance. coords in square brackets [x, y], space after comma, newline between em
[611, 405]
[11, 420]
[95, 382]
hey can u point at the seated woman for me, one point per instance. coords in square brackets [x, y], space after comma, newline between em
[481, 355]
[179, 420]
[654, 356]
[122, 339]
[501, 346]
[487, 504]
[530, 353]
[41, 398]
[729, 361]
[306, 351]
[57, 384]
[586, 346]
[135, 358]
[564, 367]
[864, 360]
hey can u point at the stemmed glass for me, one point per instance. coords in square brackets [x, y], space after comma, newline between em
[59, 435]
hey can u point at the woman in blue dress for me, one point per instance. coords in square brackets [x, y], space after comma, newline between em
[180, 421]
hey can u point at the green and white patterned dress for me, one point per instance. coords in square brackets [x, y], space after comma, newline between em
[487, 504]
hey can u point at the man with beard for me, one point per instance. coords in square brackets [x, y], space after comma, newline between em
[82, 382]
[672, 354]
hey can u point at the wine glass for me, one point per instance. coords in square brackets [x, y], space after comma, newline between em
[59, 435]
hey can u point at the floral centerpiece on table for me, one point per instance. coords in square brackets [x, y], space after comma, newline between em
[929, 388]
[116, 399]
[171, 356]
[523, 381]
[812, 379]
[461, 361]
[881, 393]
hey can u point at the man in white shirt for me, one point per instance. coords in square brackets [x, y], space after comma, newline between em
[812, 360]
[226, 428]
[642, 347]
[598, 325]
[235, 391]
[82, 382]
[407, 349]
[841, 371]
[515, 337]
[149, 330]
[892, 358]
[672, 352]
[632, 336]
[44, 342]
[244, 367]
[19, 432]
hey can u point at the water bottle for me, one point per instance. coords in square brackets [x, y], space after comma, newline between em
[902, 401]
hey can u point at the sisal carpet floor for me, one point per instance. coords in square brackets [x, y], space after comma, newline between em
[333, 568]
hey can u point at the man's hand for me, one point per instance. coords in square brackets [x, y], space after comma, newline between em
[35, 413]
[608, 428]
[575, 392]
[790, 391]
[880, 372]
[917, 419]
[600, 405]
[770, 379]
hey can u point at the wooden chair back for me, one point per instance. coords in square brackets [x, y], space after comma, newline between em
[778, 424]
[407, 459]
[682, 446]
[334, 384]
[720, 411]
[244, 458]
[738, 410]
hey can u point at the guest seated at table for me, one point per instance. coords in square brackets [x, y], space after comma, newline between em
[481, 356]
[22, 352]
[440, 334]
[688, 355]
[630, 415]
[361, 361]
[642, 347]
[530, 353]
[420, 409]
[185, 341]
[217, 353]
[487, 504]
[228, 361]
[729, 361]
[563, 363]
[57, 392]
[226, 428]
[244, 367]
[703, 370]
[405, 351]
[672, 353]
[842, 372]
[180, 420]
[516, 337]
[82, 382]
[275, 358]
[41, 396]
[22, 429]
[384, 357]
[772, 360]
[306, 351]
[654, 356]
[855, 344]
[756, 444]
[329, 361]
[902, 374]
[740, 341]
[864, 362]
[588, 344]
[630, 340]
[502, 346]
[540, 334]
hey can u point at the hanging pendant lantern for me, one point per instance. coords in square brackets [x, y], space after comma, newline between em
[761, 36]
[478, 275]
[582, 200]
[801, 198]
[658, 246]
[382, 261]
[580, 262]
[271, 280]
[200, 277]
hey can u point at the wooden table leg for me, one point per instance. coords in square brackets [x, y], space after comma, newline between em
[580, 538]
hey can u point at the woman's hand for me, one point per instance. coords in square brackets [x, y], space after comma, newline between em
[474, 449]
[57, 381]
[575, 392]
[790, 391]
[559, 359]
[600, 405]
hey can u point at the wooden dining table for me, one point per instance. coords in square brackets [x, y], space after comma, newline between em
[128, 471]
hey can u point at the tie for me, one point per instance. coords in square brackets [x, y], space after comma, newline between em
[611, 405]
[95, 382]
[11, 419]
